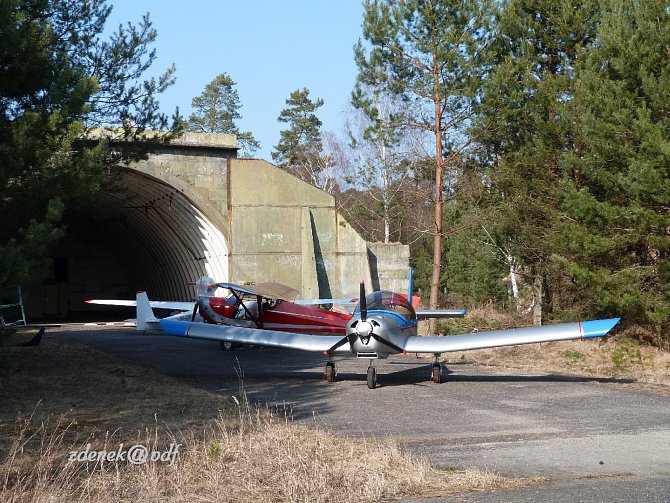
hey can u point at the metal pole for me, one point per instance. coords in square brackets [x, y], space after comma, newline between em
[23, 312]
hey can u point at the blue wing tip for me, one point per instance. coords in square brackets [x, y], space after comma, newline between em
[598, 328]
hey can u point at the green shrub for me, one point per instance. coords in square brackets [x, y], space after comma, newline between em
[573, 355]
[626, 354]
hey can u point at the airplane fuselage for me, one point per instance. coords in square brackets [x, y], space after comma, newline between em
[278, 315]
[391, 330]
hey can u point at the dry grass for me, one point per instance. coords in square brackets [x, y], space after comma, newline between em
[260, 459]
[622, 356]
[229, 450]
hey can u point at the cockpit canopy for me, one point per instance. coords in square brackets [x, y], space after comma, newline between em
[388, 301]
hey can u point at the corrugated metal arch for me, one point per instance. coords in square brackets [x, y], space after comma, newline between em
[160, 236]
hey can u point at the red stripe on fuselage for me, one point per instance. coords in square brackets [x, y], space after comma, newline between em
[302, 319]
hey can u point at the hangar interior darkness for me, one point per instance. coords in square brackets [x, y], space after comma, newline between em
[139, 234]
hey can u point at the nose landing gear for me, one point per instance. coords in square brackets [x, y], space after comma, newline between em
[372, 376]
[329, 374]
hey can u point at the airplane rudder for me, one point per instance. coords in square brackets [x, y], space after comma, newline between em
[145, 313]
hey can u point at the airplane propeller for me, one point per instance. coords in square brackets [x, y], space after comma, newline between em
[363, 302]
[364, 314]
[387, 343]
[363, 328]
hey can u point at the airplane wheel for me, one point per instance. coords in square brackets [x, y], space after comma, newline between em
[227, 345]
[329, 376]
[372, 377]
[436, 376]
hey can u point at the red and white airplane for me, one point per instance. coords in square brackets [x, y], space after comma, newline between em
[264, 306]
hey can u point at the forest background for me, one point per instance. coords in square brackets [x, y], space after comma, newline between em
[521, 148]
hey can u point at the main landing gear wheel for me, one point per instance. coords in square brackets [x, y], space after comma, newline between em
[372, 377]
[329, 375]
[436, 375]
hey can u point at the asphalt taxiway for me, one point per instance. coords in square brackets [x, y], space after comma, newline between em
[593, 437]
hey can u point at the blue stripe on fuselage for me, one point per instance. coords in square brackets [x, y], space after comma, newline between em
[404, 321]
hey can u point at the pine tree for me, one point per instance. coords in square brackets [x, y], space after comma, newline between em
[424, 52]
[300, 146]
[58, 78]
[616, 190]
[216, 110]
[522, 126]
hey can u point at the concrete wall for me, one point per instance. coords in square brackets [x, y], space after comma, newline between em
[192, 208]
[196, 164]
[276, 225]
[286, 229]
[389, 263]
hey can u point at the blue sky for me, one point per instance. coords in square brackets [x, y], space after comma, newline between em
[269, 48]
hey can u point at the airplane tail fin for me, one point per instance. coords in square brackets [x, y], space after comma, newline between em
[145, 314]
[413, 299]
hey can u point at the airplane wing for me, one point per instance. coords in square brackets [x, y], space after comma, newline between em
[268, 290]
[158, 304]
[145, 316]
[318, 302]
[412, 344]
[272, 338]
[512, 337]
[423, 314]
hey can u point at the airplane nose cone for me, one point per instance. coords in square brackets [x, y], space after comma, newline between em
[364, 329]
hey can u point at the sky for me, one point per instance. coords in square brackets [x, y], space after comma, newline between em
[269, 48]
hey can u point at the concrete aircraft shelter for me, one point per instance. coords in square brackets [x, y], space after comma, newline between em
[194, 209]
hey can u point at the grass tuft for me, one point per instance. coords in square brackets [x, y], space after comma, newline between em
[572, 355]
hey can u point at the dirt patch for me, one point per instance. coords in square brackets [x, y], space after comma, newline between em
[98, 392]
[61, 398]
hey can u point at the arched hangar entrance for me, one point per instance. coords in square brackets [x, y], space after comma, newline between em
[141, 233]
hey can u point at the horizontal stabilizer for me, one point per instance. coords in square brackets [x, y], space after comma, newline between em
[156, 304]
[424, 314]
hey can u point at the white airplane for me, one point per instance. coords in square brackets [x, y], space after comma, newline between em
[382, 324]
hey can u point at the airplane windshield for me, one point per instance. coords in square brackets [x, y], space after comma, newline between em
[388, 301]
